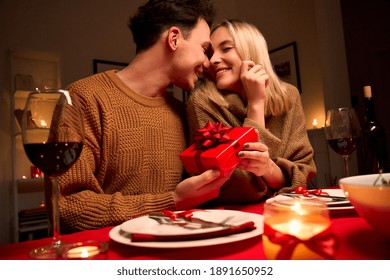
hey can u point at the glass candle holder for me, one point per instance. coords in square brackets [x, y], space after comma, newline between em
[298, 229]
[86, 250]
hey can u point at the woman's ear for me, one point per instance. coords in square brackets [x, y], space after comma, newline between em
[173, 37]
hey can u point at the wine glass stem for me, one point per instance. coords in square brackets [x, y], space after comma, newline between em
[55, 216]
[346, 165]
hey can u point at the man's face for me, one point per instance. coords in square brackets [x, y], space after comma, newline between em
[191, 56]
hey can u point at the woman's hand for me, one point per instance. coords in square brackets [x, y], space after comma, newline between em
[254, 81]
[255, 159]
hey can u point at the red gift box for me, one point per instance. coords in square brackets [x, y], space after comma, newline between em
[216, 147]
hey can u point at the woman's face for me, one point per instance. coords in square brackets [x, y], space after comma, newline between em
[225, 62]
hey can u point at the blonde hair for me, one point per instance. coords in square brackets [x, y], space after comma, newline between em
[251, 45]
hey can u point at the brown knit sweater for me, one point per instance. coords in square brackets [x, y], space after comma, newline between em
[285, 136]
[129, 165]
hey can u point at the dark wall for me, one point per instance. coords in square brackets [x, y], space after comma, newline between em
[367, 41]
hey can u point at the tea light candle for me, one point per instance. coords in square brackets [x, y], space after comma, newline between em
[83, 252]
[288, 227]
[90, 249]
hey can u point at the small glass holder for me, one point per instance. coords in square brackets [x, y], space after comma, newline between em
[298, 229]
[85, 250]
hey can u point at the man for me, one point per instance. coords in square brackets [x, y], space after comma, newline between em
[134, 132]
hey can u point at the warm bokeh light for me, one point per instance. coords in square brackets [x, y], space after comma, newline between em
[315, 123]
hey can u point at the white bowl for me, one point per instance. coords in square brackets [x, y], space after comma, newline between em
[370, 202]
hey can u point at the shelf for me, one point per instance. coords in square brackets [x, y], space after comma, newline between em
[24, 229]
[30, 185]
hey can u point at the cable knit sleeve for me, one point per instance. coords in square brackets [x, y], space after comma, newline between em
[294, 153]
[288, 143]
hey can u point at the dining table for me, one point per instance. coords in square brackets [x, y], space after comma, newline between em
[357, 240]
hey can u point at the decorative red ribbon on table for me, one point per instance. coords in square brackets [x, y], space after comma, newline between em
[305, 192]
[211, 134]
[187, 214]
[324, 243]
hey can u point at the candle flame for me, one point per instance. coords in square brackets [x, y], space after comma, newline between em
[294, 227]
[315, 123]
[84, 253]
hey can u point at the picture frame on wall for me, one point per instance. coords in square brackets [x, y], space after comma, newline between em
[285, 62]
[100, 65]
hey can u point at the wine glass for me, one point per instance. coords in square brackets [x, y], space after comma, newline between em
[53, 134]
[342, 130]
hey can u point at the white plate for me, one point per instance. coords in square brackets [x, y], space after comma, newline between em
[337, 192]
[332, 205]
[117, 234]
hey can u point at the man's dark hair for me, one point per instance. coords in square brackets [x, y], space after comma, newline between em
[156, 16]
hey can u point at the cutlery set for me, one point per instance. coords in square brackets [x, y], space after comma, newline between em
[195, 227]
[189, 223]
[330, 197]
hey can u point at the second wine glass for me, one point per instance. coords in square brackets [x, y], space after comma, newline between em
[53, 134]
[342, 130]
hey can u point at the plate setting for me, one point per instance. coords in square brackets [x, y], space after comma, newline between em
[340, 203]
[203, 228]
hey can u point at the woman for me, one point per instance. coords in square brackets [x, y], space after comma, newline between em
[243, 90]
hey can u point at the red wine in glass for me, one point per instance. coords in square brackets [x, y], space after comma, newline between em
[52, 134]
[53, 159]
[344, 146]
[342, 130]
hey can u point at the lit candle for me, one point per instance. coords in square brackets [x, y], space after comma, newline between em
[83, 252]
[288, 227]
[315, 123]
[91, 249]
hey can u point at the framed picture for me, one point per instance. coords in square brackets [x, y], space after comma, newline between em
[100, 65]
[285, 62]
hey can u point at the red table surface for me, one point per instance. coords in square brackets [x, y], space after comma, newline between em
[357, 241]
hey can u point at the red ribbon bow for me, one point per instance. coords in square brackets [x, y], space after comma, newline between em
[211, 134]
[305, 192]
[187, 214]
[324, 243]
